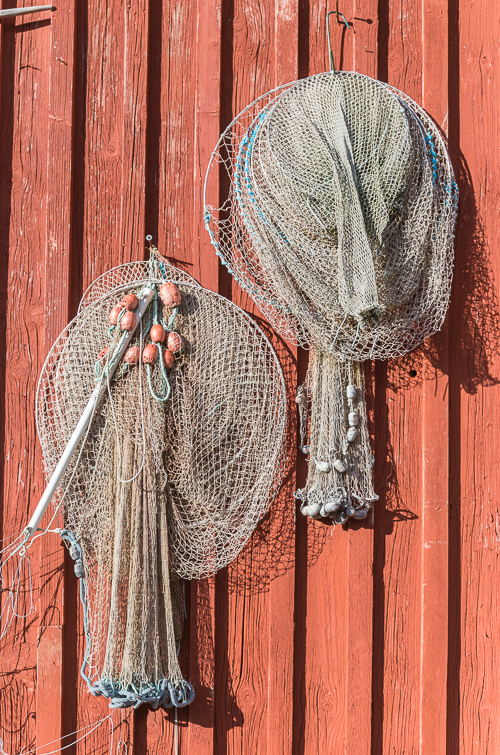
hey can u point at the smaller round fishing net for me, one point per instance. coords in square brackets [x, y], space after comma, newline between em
[339, 222]
[181, 458]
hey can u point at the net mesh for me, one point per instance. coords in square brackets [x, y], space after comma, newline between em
[158, 491]
[339, 222]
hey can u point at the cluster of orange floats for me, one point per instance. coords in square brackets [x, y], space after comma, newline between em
[127, 321]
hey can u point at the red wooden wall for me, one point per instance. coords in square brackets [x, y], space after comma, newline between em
[381, 638]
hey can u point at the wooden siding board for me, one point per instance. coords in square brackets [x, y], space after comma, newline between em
[361, 538]
[205, 268]
[24, 178]
[478, 370]
[113, 200]
[243, 618]
[435, 452]
[57, 274]
[178, 78]
[280, 529]
[327, 696]
[404, 407]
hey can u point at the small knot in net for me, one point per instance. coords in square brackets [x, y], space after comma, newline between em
[182, 457]
[338, 221]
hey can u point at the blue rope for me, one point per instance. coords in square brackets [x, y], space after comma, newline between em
[166, 381]
[164, 692]
[430, 143]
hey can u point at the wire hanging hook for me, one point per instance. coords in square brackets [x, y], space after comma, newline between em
[338, 14]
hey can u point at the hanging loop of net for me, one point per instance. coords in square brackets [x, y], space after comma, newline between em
[182, 457]
[338, 222]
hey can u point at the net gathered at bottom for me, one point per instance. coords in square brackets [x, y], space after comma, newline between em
[338, 221]
[181, 459]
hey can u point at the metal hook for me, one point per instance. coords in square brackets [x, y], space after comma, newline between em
[337, 11]
[338, 14]
[10, 12]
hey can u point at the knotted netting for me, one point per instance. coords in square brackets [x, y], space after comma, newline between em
[338, 221]
[181, 459]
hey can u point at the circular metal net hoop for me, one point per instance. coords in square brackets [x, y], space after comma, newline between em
[338, 221]
[158, 492]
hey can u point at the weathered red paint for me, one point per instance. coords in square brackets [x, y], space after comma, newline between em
[380, 638]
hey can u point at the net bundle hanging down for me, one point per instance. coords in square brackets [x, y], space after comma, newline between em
[338, 221]
[181, 453]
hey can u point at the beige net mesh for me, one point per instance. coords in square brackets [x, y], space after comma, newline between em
[339, 222]
[163, 490]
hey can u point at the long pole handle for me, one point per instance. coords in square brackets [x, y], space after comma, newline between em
[10, 12]
[80, 429]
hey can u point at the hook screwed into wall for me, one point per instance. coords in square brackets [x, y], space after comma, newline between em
[339, 15]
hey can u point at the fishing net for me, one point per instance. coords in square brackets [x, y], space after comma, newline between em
[338, 221]
[181, 458]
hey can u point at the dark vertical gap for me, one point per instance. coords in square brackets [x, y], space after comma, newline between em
[383, 40]
[140, 730]
[381, 529]
[70, 676]
[381, 520]
[303, 39]
[70, 680]
[226, 115]
[153, 126]
[78, 176]
[222, 681]
[455, 370]
[301, 550]
[300, 591]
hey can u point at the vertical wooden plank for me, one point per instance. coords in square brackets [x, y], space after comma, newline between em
[280, 599]
[254, 623]
[112, 195]
[327, 711]
[435, 510]
[49, 688]
[177, 76]
[476, 366]
[399, 525]
[207, 125]
[360, 571]
[56, 314]
[242, 614]
[23, 160]
[115, 110]
[170, 220]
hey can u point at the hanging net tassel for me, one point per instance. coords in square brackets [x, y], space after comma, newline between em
[338, 221]
[146, 610]
[339, 482]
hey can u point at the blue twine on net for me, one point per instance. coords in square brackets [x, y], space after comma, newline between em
[163, 693]
[242, 161]
[167, 388]
[432, 150]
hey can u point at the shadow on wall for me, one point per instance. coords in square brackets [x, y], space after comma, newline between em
[473, 330]
[270, 552]
[474, 324]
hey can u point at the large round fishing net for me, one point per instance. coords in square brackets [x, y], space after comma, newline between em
[338, 221]
[182, 457]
